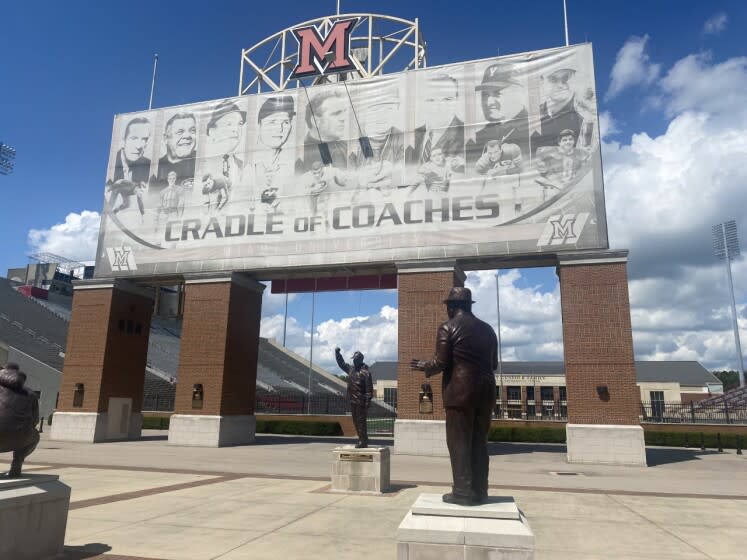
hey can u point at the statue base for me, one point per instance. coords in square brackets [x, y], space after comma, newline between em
[33, 517]
[197, 430]
[364, 470]
[435, 529]
[604, 444]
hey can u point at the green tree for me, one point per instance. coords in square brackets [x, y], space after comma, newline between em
[729, 378]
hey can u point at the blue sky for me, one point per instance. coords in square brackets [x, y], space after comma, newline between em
[667, 73]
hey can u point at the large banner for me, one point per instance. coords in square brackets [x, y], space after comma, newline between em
[486, 158]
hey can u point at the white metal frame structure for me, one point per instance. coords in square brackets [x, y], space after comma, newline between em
[378, 42]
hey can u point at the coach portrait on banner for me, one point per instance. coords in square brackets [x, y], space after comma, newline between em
[273, 158]
[503, 102]
[562, 108]
[180, 142]
[131, 167]
[225, 134]
[379, 113]
[442, 128]
[326, 122]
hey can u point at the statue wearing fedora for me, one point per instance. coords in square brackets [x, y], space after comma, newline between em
[467, 354]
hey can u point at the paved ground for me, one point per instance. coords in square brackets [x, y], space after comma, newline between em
[270, 501]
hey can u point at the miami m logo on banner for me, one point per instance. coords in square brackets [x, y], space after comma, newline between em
[562, 229]
[121, 258]
[313, 50]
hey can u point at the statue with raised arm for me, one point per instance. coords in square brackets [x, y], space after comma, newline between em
[19, 415]
[360, 392]
[467, 354]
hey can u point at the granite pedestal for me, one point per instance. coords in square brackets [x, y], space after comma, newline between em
[363, 470]
[33, 517]
[434, 530]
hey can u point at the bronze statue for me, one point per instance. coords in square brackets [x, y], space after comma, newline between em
[467, 353]
[19, 415]
[360, 391]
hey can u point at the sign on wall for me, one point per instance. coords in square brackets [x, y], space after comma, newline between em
[492, 157]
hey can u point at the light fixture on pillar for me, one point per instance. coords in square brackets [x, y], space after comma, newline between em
[425, 399]
[78, 395]
[603, 392]
[197, 395]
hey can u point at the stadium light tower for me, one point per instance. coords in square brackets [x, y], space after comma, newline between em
[7, 157]
[726, 246]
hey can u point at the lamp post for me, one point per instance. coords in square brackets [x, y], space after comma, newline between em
[726, 247]
[500, 352]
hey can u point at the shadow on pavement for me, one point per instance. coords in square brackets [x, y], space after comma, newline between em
[508, 448]
[90, 550]
[656, 456]
[278, 439]
[157, 437]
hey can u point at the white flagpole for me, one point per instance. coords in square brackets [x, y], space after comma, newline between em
[565, 21]
[153, 81]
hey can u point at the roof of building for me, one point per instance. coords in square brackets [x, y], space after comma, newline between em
[687, 374]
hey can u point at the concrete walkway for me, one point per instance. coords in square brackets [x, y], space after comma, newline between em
[147, 499]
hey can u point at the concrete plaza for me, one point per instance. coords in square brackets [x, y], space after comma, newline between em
[271, 500]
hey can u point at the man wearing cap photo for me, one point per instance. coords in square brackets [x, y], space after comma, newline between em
[225, 131]
[503, 102]
[273, 159]
[467, 354]
[562, 109]
[180, 139]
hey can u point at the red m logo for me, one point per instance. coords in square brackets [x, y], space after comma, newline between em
[313, 51]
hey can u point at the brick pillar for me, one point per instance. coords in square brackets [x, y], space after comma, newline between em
[219, 345]
[598, 345]
[106, 355]
[421, 292]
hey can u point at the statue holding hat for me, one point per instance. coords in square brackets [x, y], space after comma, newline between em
[19, 415]
[467, 354]
[360, 392]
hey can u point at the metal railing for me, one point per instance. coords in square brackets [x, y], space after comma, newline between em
[539, 410]
[659, 412]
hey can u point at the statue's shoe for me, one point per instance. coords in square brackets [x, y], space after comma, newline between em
[460, 500]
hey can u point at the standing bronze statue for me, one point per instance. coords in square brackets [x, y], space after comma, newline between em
[467, 353]
[19, 415]
[360, 391]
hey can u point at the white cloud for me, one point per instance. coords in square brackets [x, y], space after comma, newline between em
[715, 24]
[76, 238]
[632, 67]
[663, 194]
[695, 84]
[607, 125]
[374, 335]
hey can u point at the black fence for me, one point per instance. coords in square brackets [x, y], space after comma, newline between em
[158, 402]
[659, 412]
[289, 402]
[541, 410]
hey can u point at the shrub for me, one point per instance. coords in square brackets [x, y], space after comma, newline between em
[296, 427]
[155, 422]
[692, 439]
[527, 434]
